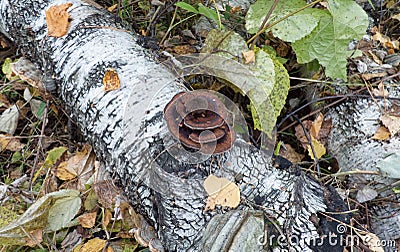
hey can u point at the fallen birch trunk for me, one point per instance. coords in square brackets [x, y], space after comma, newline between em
[128, 132]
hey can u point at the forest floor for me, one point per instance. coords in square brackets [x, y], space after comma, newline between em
[42, 150]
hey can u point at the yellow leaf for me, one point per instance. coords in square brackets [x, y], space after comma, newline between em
[93, 245]
[381, 134]
[111, 80]
[318, 148]
[57, 19]
[112, 7]
[222, 192]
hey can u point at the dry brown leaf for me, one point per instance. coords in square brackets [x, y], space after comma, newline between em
[249, 57]
[80, 165]
[299, 132]
[35, 238]
[106, 217]
[290, 154]
[382, 134]
[64, 172]
[93, 245]
[222, 192]
[111, 80]
[381, 91]
[184, 49]
[106, 192]
[87, 220]
[316, 125]
[368, 76]
[386, 41]
[4, 101]
[57, 19]
[8, 142]
[319, 148]
[375, 57]
[391, 122]
[371, 240]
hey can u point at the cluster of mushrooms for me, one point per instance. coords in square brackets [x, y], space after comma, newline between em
[200, 121]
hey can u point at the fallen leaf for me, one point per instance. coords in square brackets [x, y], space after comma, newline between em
[368, 76]
[381, 91]
[381, 134]
[90, 201]
[4, 101]
[93, 245]
[106, 217]
[111, 80]
[112, 7]
[9, 120]
[10, 143]
[35, 238]
[389, 166]
[371, 240]
[386, 41]
[316, 126]
[222, 192]
[80, 165]
[87, 220]
[184, 49]
[366, 194]
[106, 193]
[57, 20]
[391, 122]
[38, 216]
[249, 57]
[63, 210]
[318, 148]
[290, 154]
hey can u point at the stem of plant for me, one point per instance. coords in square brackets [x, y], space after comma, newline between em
[280, 20]
[265, 21]
[219, 16]
[173, 26]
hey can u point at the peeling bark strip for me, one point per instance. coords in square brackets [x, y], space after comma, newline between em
[128, 132]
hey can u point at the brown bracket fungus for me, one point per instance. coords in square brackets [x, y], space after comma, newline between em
[199, 120]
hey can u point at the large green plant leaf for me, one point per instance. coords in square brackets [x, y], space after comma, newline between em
[266, 83]
[290, 29]
[328, 42]
[315, 34]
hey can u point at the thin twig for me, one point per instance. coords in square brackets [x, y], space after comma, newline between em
[280, 20]
[265, 21]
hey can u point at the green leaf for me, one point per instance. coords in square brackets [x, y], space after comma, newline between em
[64, 210]
[265, 82]
[208, 13]
[53, 155]
[17, 156]
[328, 42]
[291, 28]
[61, 204]
[6, 68]
[187, 7]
